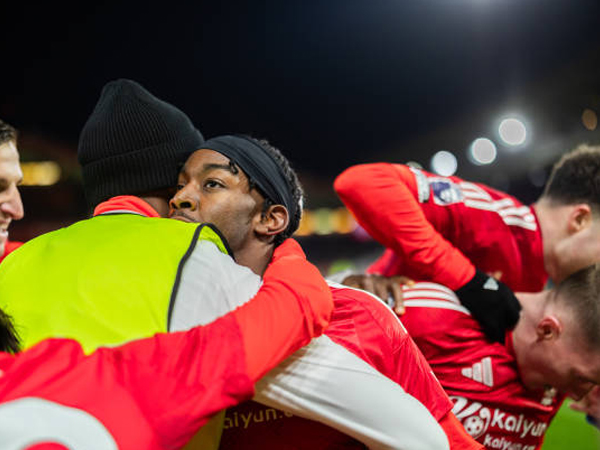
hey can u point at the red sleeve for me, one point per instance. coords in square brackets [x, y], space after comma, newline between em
[10, 247]
[183, 378]
[368, 328]
[383, 198]
[179, 380]
[293, 305]
[458, 438]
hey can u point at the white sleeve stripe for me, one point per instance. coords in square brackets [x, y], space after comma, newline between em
[504, 207]
[517, 211]
[433, 286]
[486, 206]
[528, 217]
[419, 293]
[424, 303]
[520, 223]
[422, 185]
[475, 195]
[505, 203]
[319, 382]
[525, 217]
[470, 186]
[526, 220]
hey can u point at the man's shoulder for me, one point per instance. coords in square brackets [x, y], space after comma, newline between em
[366, 327]
[433, 307]
[453, 342]
[442, 328]
[137, 227]
[446, 191]
[361, 313]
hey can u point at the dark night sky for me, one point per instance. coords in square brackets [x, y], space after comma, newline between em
[330, 82]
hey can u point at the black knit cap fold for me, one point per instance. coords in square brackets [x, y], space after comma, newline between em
[133, 143]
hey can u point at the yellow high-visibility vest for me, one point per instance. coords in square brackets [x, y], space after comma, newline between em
[101, 281]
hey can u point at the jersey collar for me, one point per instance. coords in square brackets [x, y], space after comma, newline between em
[125, 204]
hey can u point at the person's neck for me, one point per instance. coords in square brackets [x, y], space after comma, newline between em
[160, 205]
[545, 216]
[551, 218]
[255, 256]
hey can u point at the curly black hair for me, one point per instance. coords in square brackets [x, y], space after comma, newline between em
[292, 182]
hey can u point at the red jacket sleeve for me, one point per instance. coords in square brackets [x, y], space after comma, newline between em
[293, 305]
[383, 198]
[183, 378]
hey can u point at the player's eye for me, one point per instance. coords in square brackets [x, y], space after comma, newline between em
[212, 184]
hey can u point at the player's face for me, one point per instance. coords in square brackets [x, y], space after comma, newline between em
[564, 364]
[11, 207]
[210, 190]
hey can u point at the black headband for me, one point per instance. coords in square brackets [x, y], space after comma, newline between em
[258, 165]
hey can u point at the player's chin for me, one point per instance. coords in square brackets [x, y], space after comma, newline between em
[184, 217]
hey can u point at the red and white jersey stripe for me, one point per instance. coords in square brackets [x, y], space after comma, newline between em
[511, 213]
[432, 295]
[365, 377]
[481, 377]
[441, 228]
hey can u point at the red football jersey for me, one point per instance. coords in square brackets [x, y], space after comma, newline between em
[440, 228]
[481, 377]
[156, 393]
[362, 330]
[151, 394]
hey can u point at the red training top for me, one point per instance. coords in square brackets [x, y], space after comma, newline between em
[156, 393]
[364, 330]
[440, 228]
[9, 247]
[481, 377]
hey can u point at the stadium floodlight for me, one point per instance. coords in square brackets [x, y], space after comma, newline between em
[512, 131]
[444, 163]
[482, 151]
[589, 119]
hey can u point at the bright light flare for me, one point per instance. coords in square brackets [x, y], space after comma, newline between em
[512, 131]
[482, 151]
[444, 163]
[42, 173]
[589, 119]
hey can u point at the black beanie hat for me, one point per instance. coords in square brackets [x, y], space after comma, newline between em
[133, 143]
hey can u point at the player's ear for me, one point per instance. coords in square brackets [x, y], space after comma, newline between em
[548, 328]
[580, 217]
[273, 221]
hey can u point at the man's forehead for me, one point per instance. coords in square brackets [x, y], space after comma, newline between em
[203, 158]
[8, 152]
[10, 170]
[204, 161]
